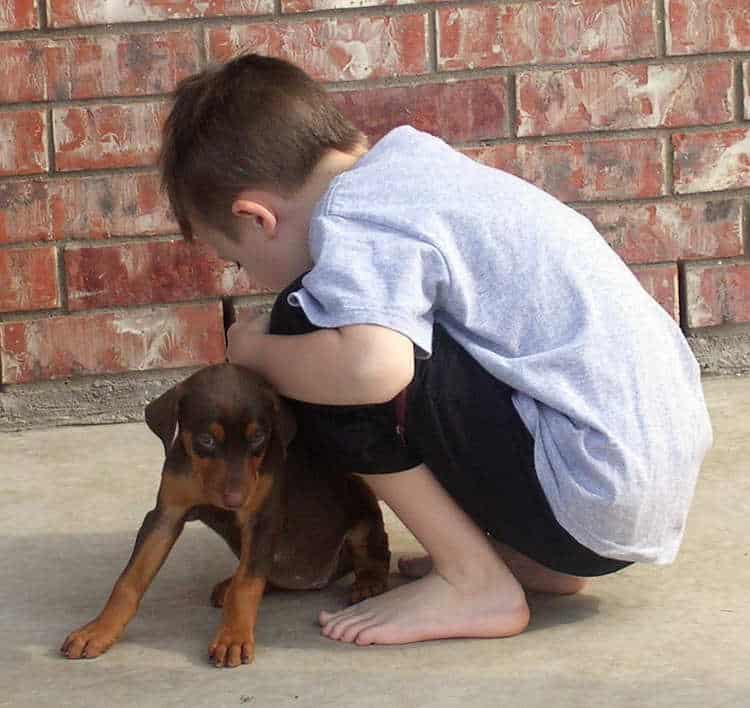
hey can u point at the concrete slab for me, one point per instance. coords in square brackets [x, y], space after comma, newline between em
[72, 500]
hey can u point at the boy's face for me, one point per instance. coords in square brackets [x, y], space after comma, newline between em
[272, 261]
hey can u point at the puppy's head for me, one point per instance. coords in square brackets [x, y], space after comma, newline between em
[227, 428]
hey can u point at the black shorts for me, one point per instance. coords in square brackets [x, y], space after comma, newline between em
[461, 422]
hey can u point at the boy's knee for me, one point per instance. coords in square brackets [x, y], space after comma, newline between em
[287, 318]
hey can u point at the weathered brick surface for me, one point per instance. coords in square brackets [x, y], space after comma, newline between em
[457, 112]
[84, 208]
[698, 26]
[625, 97]
[343, 48]
[18, 15]
[28, 279]
[24, 212]
[671, 231]
[661, 282]
[707, 162]
[746, 85]
[23, 136]
[717, 294]
[118, 135]
[159, 338]
[292, 6]
[580, 170]
[110, 205]
[89, 67]
[545, 32]
[142, 273]
[66, 13]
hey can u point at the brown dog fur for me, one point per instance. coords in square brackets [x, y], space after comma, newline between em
[232, 462]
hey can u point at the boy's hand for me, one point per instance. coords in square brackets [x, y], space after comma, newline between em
[241, 337]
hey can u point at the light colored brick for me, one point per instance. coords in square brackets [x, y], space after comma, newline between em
[157, 338]
[143, 273]
[707, 162]
[625, 97]
[107, 136]
[457, 112]
[706, 26]
[29, 279]
[68, 13]
[90, 67]
[18, 15]
[717, 294]
[746, 83]
[23, 143]
[545, 33]
[661, 283]
[582, 170]
[336, 49]
[671, 231]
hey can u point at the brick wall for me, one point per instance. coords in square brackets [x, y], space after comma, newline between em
[636, 112]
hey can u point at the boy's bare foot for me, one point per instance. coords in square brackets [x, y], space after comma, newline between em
[433, 608]
[532, 575]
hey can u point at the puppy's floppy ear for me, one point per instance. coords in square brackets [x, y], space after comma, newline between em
[161, 415]
[284, 423]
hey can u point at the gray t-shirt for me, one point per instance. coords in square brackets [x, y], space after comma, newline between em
[418, 233]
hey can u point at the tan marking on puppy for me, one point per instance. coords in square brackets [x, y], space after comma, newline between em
[217, 430]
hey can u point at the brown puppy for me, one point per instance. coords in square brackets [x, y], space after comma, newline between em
[232, 463]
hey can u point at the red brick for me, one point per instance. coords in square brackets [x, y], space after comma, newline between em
[68, 13]
[29, 278]
[457, 112]
[577, 170]
[698, 26]
[24, 212]
[545, 33]
[90, 67]
[670, 231]
[707, 162]
[625, 97]
[717, 294]
[292, 6]
[108, 136]
[334, 49]
[84, 208]
[110, 205]
[18, 15]
[661, 283]
[144, 273]
[23, 143]
[100, 343]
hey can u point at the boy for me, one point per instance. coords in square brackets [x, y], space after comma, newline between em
[465, 341]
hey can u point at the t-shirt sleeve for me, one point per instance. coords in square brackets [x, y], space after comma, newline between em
[368, 273]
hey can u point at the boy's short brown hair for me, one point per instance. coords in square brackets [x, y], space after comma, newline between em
[254, 122]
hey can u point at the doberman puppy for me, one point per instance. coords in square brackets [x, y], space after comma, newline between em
[233, 463]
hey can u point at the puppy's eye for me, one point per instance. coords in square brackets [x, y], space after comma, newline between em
[205, 442]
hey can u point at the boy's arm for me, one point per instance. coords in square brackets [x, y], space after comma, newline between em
[353, 365]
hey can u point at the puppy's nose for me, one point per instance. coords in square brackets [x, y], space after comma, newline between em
[233, 499]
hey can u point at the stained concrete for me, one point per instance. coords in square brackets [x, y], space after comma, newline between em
[72, 500]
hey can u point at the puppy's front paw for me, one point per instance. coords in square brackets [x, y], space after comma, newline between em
[89, 641]
[232, 646]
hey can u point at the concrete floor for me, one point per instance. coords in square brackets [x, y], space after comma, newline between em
[73, 498]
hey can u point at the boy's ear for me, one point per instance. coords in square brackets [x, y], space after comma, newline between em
[161, 415]
[250, 205]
